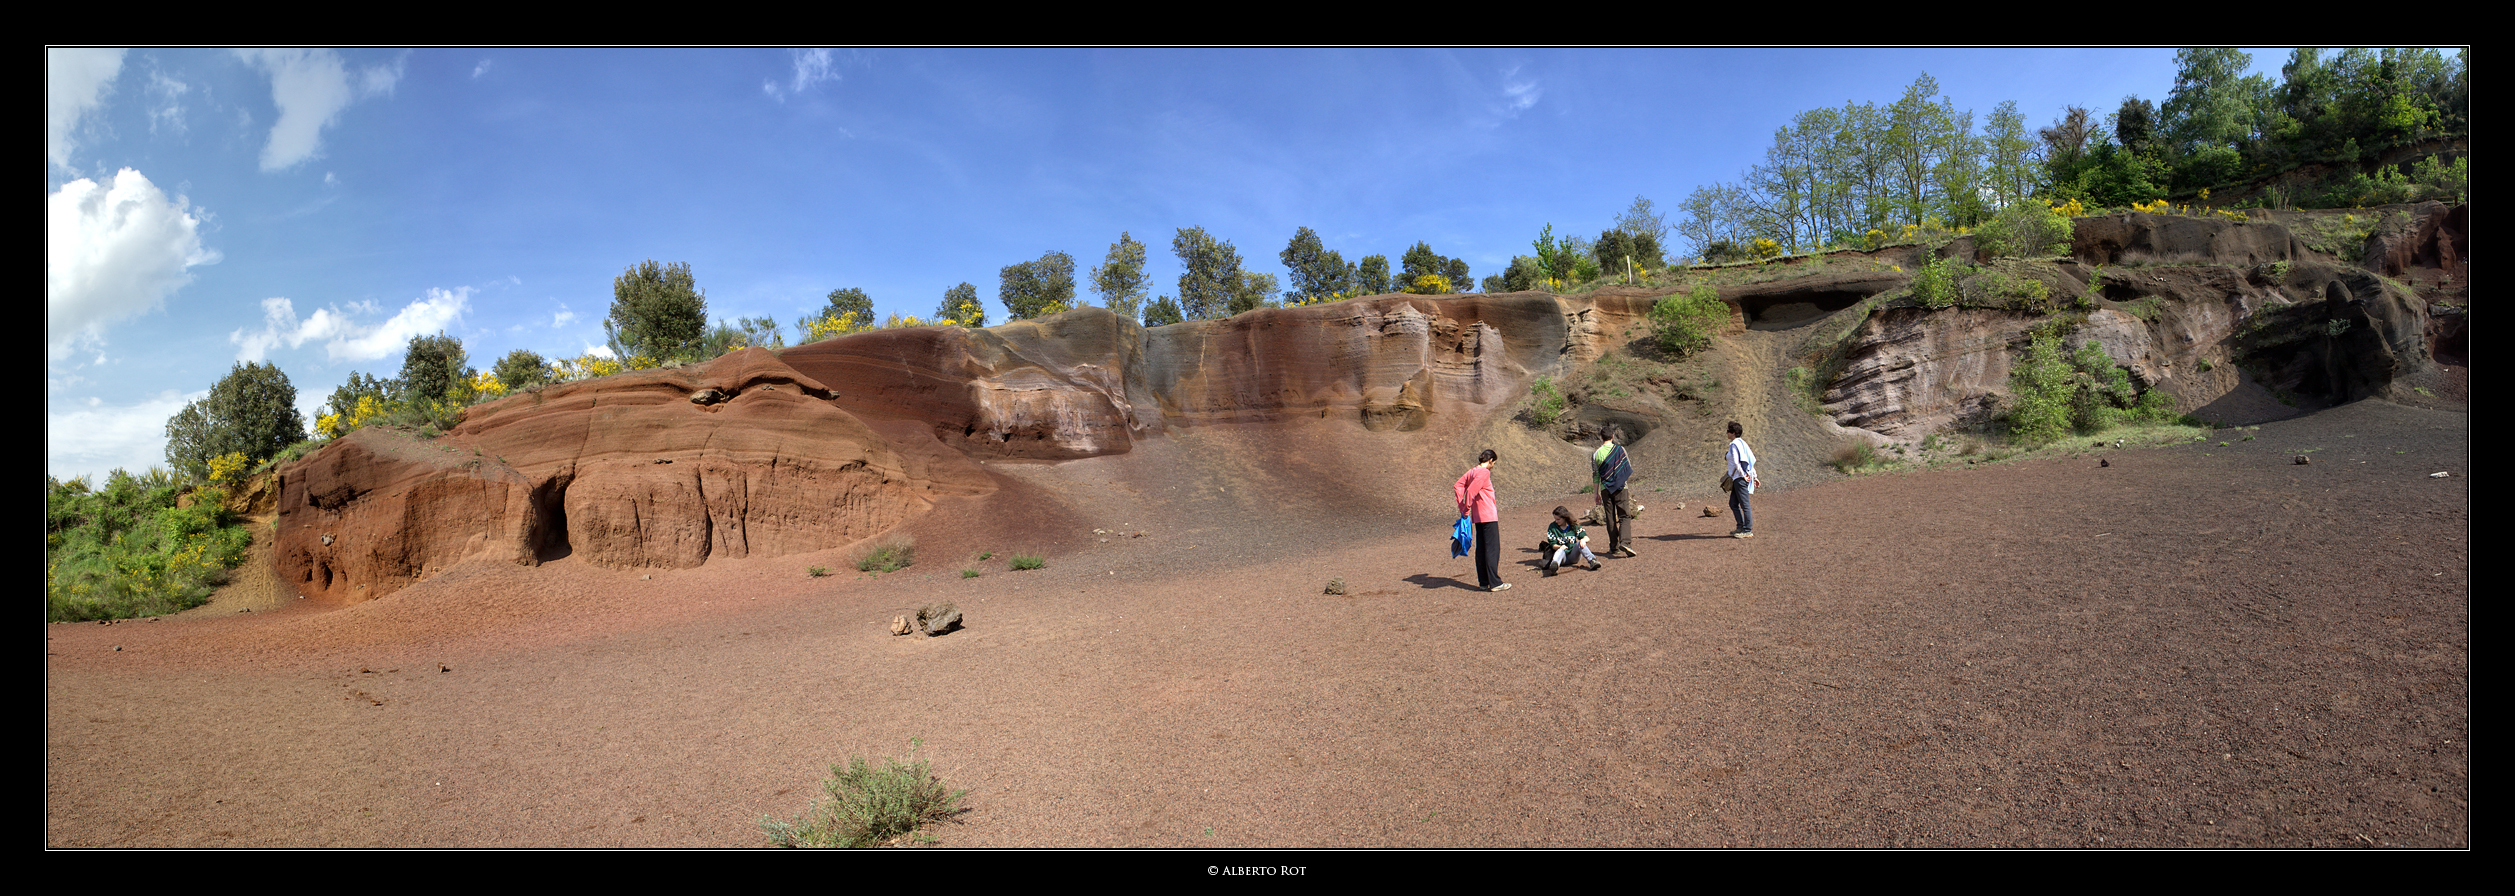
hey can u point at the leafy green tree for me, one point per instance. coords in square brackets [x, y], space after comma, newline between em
[850, 300]
[1317, 271]
[1523, 275]
[1210, 273]
[2135, 125]
[2212, 102]
[762, 332]
[1716, 218]
[432, 366]
[1421, 260]
[252, 411]
[1162, 312]
[1254, 291]
[1371, 277]
[1037, 288]
[960, 303]
[1616, 249]
[1552, 261]
[2008, 164]
[520, 369]
[345, 398]
[1922, 134]
[1120, 280]
[657, 311]
[1642, 219]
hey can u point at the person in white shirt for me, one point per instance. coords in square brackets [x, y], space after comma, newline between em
[1741, 472]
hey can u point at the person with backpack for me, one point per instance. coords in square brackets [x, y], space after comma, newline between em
[1611, 470]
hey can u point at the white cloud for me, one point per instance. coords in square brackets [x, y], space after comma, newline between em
[113, 252]
[165, 103]
[343, 337]
[76, 81]
[91, 439]
[812, 66]
[311, 87]
[1517, 95]
[481, 69]
[562, 316]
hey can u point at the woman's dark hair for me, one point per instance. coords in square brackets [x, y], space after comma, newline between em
[1488, 456]
[1563, 513]
[1735, 430]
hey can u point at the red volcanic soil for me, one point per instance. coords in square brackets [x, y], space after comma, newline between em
[2196, 646]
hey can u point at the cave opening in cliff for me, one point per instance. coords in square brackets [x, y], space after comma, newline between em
[1783, 311]
[550, 519]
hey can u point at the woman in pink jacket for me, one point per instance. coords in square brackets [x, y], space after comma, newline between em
[1476, 504]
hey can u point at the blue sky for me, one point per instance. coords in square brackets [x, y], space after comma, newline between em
[317, 208]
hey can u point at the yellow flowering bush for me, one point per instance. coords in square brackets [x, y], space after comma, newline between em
[336, 425]
[487, 386]
[832, 326]
[229, 467]
[1430, 285]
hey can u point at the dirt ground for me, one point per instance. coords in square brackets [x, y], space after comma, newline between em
[2200, 646]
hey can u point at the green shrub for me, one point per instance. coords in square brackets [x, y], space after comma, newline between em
[969, 573]
[863, 806]
[893, 554]
[1029, 561]
[1934, 286]
[1548, 403]
[2053, 394]
[126, 551]
[2025, 229]
[2040, 388]
[1686, 322]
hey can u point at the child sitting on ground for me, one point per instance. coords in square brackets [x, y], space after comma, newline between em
[1563, 536]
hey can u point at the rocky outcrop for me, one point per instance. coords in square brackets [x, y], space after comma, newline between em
[766, 454]
[2197, 307]
[623, 471]
[761, 454]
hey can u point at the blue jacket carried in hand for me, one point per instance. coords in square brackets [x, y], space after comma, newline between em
[1462, 538]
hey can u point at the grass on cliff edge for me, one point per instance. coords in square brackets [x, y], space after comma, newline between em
[865, 806]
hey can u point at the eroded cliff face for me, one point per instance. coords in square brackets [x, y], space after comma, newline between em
[767, 454]
[761, 454]
[2199, 308]
[626, 471]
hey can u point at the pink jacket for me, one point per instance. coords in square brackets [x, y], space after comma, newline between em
[1475, 496]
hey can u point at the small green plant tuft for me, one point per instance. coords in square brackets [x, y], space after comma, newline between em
[969, 573]
[1855, 455]
[865, 806]
[1029, 561]
[818, 571]
[893, 554]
